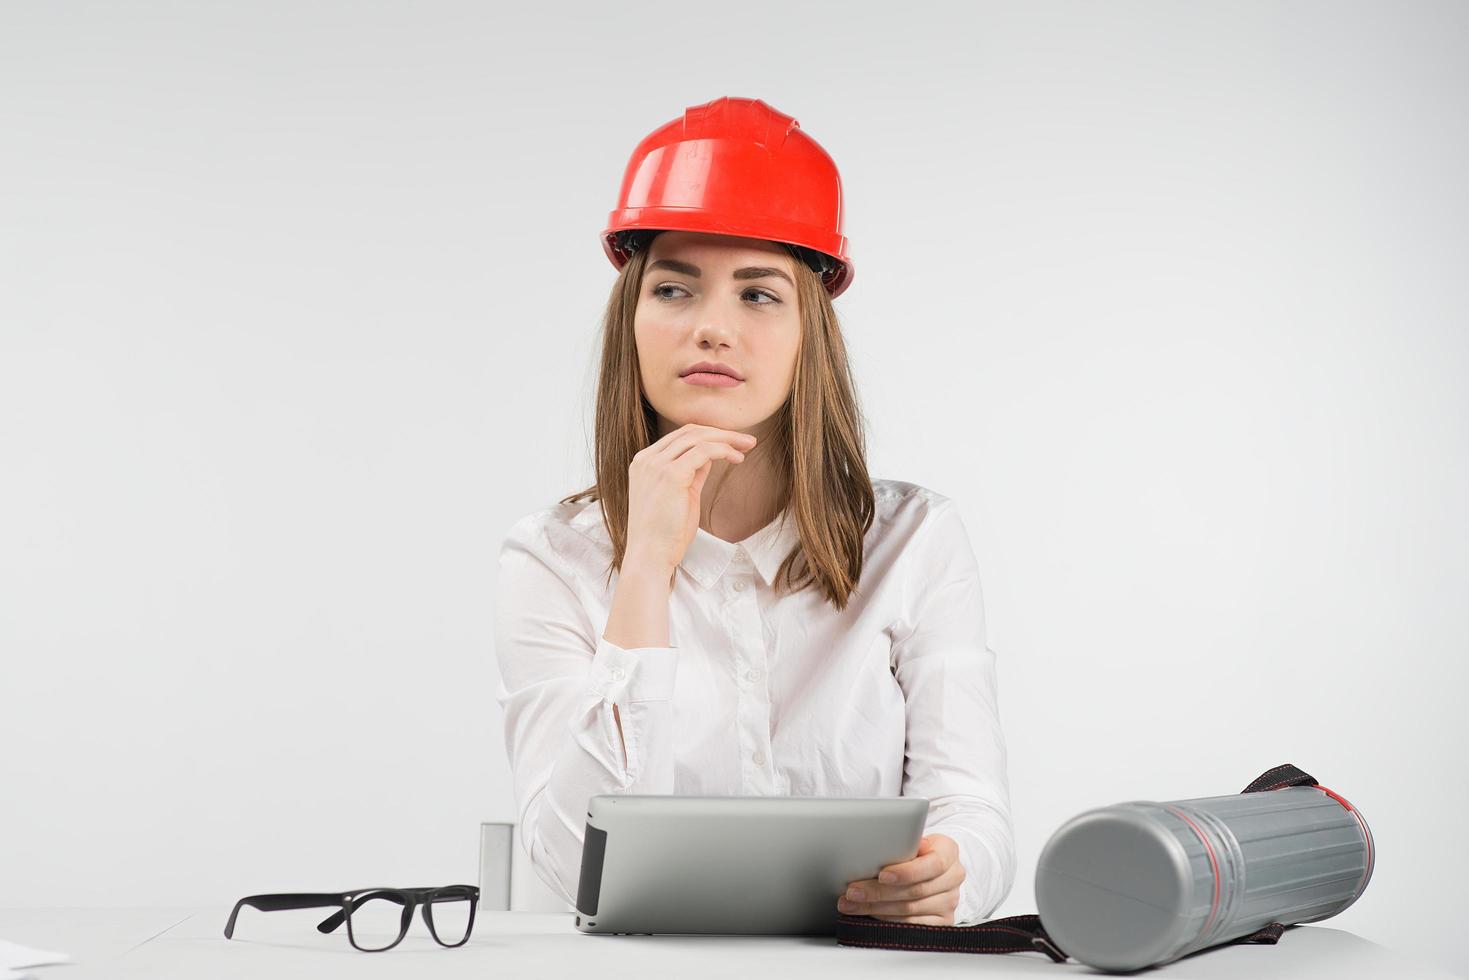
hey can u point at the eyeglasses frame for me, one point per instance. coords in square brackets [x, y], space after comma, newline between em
[345, 902]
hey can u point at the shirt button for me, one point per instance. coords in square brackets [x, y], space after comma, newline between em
[759, 757]
[617, 673]
[753, 675]
[739, 586]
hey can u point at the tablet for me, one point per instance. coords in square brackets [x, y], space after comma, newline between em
[735, 865]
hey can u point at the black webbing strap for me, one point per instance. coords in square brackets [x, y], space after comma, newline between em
[1019, 933]
[1010, 935]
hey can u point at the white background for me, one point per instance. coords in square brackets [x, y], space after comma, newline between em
[299, 310]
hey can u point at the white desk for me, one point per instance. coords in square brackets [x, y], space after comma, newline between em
[159, 944]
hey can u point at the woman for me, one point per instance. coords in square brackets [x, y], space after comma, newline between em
[735, 607]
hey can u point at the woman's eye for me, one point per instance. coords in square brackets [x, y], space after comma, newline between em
[759, 296]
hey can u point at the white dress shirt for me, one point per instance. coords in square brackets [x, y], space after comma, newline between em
[756, 694]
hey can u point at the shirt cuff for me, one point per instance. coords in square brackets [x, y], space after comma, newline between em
[984, 886]
[625, 676]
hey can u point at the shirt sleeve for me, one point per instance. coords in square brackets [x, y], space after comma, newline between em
[955, 754]
[559, 680]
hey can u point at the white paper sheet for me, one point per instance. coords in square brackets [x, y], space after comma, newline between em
[15, 958]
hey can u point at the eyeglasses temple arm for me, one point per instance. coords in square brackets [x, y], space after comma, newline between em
[276, 903]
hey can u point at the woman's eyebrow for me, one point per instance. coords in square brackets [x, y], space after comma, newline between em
[749, 272]
[759, 272]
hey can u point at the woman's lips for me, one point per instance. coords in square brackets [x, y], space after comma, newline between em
[711, 379]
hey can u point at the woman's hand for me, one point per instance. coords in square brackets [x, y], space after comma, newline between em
[664, 484]
[924, 890]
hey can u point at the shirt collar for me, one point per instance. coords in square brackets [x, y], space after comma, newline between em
[707, 556]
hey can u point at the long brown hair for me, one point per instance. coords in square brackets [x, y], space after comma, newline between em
[818, 447]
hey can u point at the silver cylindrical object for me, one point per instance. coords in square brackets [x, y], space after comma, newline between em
[494, 865]
[1142, 883]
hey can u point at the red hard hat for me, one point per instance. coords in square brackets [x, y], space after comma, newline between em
[734, 167]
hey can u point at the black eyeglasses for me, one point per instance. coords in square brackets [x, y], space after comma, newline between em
[378, 918]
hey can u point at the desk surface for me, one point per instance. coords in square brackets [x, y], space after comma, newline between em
[163, 943]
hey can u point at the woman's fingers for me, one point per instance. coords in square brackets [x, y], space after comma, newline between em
[690, 461]
[659, 446]
[936, 896]
[877, 896]
[923, 876]
[940, 904]
[675, 443]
